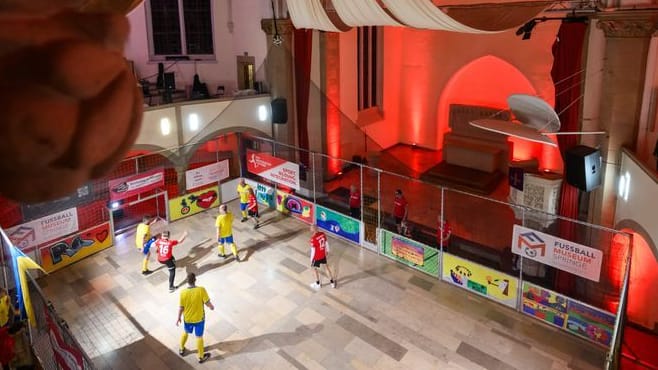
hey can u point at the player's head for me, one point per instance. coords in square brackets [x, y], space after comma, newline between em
[223, 209]
[145, 219]
[352, 188]
[314, 228]
[242, 181]
[251, 191]
[398, 193]
[191, 278]
[165, 234]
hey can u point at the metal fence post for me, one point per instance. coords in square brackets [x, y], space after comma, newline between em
[441, 225]
[379, 209]
[612, 358]
[361, 192]
[313, 169]
[519, 289]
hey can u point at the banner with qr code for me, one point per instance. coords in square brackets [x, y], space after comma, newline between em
[562, 254]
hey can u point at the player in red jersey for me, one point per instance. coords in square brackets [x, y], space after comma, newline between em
[164, 247]
[399, 210]
[355, 202]
[252, 208]
[319, 251]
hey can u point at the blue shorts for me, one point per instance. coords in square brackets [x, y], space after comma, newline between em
[197, 327]
[226, 240]
[243, 206]
[146, 249]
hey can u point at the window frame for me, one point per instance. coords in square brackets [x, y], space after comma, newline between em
[373, 82]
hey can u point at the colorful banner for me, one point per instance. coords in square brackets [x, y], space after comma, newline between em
[560, 253]
[338, 224]
[31, 234]
[410, 252]
[75, 247]
[193, 203]
[206, 175]
[298, 208]
[273, 168]
[490, 283]
[544, 304]
[265, 195]
[590, 323]
[128, 186]
[66, 356]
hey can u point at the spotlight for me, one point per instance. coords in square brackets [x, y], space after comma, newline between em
[114, 205]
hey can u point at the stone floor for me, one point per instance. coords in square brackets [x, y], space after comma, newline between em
[381, 316]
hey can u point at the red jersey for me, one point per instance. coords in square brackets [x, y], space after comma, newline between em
[399, 206]
[252, 204]
[319, 245]
[164, 248]
[355, 199]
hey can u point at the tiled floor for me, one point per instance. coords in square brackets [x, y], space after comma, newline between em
[381, 316]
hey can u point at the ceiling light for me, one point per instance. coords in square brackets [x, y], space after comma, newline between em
[262, 113]
[165, 126]
[193, 121]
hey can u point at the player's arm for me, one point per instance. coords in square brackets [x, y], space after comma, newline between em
[182, 237]
[312, 254]
[180, 314]
[209, 305]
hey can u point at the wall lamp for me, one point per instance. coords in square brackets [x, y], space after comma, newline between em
[525, 31]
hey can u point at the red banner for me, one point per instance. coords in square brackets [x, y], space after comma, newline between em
[132, 185]
[273, 168]
[66, 356]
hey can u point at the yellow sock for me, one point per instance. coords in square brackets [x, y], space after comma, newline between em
[234, 249]
[244, 214]
[220, 247]
[199, 346]
[183, 339]
[145, 264]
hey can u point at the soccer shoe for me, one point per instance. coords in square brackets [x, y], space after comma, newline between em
[244, 219]
[221, 255]
[237, 259]
[256, 226]
[181, 351]
[315, 285]
[172, 289]
[205, 357]
[147, 272]
[333, 283]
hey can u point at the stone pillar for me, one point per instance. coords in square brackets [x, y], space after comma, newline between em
[279, 75]
[627, 37]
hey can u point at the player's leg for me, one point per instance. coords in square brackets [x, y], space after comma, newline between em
[198, 331]
[315, 266]
[332, 279]
[234, 248]
[145, 261]
[187, 329]
[220, 247]
[171, 265]
[243, 210]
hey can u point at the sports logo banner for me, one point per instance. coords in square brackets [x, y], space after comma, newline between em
[31, 234]
[560, 253]
[128, 186]
[273, 168]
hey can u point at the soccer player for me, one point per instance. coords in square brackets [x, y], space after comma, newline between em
[243, 193]
[146, 250]
[319, 252]
[165, 248]
[355, 202]
[224, 225]
[192, 300]
[142, 236]
[252, 208]
[399, 210]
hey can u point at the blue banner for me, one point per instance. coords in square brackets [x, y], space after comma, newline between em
[338, 224]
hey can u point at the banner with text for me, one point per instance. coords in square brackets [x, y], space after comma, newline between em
[206, 175]
[560, 253]
[410, 252]
[128, 186]
[544, 304]
[193, 203]
[295, 206]
[273, 168]
[338, 224]
[31, 234]
[75, 247]
[590, 323]
[265, 195]
[490, 283]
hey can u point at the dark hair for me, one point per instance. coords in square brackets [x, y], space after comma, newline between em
[145, 219]
[191, 278]
[398, 191]
[165, 234]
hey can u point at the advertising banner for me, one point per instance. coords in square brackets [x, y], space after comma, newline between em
[206, 175]
[193, 203]
[410, 252]
[560, 253]
[265, 195]
[544, 305]
[273, 168]
[128, 186]
[490, 283]
[590, 323]
[66, 356]
[338, 224]
[294, 206]
[75, 247]
[31, 234]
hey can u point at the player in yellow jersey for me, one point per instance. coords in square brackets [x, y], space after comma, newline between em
[243, 193]
[224, 225]
[142, 237]
[192, 300]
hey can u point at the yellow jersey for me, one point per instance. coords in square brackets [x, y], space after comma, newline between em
[142, 235]
[225, 225]
[4, 310]
[192, 301]
[243, 191]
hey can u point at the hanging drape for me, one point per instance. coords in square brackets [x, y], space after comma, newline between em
[310, 14]
[363, 13]
[496, 17]
[424, 14]
[303, 44]
[567, 63]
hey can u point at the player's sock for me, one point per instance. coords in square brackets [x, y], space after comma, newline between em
[183, 339]
[145, 265]
[234, 250]
[244, 214]
[199, 346]
[220, 247]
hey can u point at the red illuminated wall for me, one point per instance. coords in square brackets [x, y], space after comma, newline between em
[333, 99]
[643, 290]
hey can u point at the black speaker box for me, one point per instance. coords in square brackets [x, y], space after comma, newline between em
[583, 167]
[169, 81]
[279, 110]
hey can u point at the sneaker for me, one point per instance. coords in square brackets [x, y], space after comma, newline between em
[333, 284]
[172, 289]
[147, 272]
[243, 219]
[237, 259]
[221, 255]
[256, 226]
[181, 351]
[315, 285]
[205, 357]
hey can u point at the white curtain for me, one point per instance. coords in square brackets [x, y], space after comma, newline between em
[357, 13]
[310, 14]
[424, 14]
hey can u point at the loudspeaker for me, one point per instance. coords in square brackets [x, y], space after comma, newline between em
[279, 110]
[169, 81]
[583, 167]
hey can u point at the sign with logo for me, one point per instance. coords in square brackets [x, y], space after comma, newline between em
[410, 252]
[206, 175]
[193, 203]
[297, 207]
[338, 224]
[66, 356]
[75, 247]
[544, 305]
[31, 234]
[128, 186]
[590, 323]
[265, 195]
[490, 283]
[560, 253]
[273, 168]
